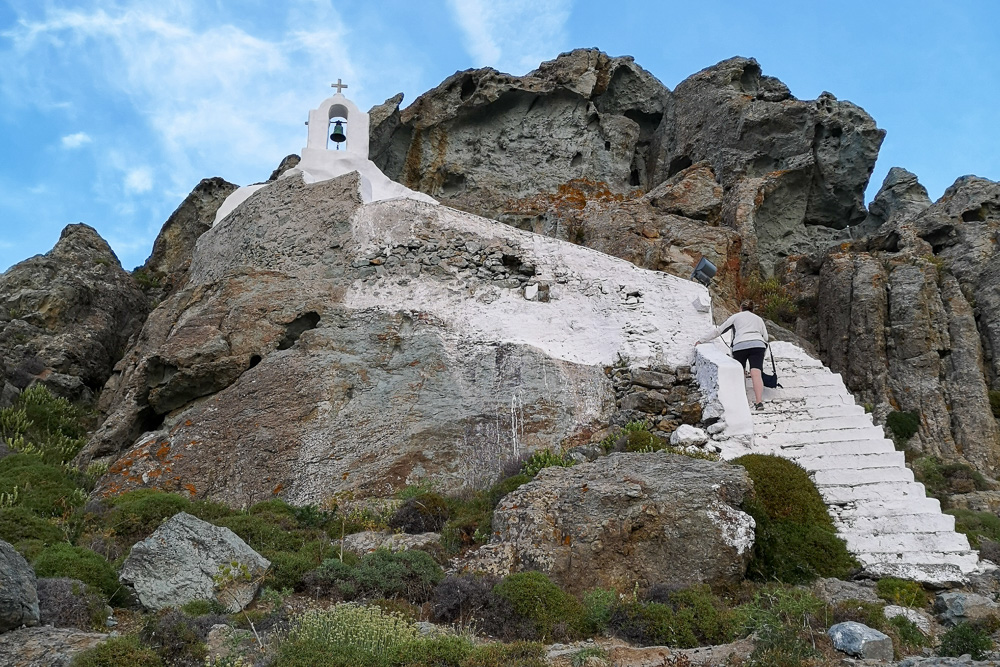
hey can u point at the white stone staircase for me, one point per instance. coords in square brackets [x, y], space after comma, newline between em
[882, 514]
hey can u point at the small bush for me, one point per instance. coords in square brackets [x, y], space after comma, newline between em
[461, 598]
[118, 652]
[68, 603]
[685, 619]
[425, 513]
[597, 607]
[179, 638]
[910, 638]
[47, 490]
[471, 519]
[977, 525]
[411, 575]
[18, 524]
[533, 596]
[447, 651]
[134, 515]
[514, 654]
[46, 426]
[546, 458]
[965, 638]
[203, 607]
[902, 592]
[643, 441]
[795, 537]
[904, 425]
[995, 402]
[942, 479]
[348, 634]
[786, 622]
[64, 560]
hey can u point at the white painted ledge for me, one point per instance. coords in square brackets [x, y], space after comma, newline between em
[723, 389]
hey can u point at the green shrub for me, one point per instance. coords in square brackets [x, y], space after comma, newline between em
[347, 634]
[976, 525]
[134, 515]
[289, 567]
[18, 524]
[425, 513]
[46, 426]
[904, 425]
[65, 560]
[902, 592]
[941, 479]
[67, 603]
[597, 607]
[118, 652]
[785, 622]
[995, 402]
[533, 596]
[203, 607]
[643, 441]
[965, 638]
[411, 575]
[514, 654]
[178, 638]
[910, 638]
[545, 458]
[795, 537]
[682, 619]
[47, 490]
[446, 651]
[471, 519]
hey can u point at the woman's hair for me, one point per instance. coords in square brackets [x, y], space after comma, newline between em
[747, 305]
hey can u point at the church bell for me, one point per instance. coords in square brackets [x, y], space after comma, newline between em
[338, 135]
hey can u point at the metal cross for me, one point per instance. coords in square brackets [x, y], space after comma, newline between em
[338, 85]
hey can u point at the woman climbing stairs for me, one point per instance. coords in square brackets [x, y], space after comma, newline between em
[882, 514]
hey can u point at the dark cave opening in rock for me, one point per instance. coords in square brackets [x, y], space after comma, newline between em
[297, 327]
[254, 360]
[678, 164]
[468, 88]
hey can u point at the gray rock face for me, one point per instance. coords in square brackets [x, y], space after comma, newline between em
[900, 198]
[625, 518]
[371, 540]
[69, 312]
[481, 137]
[833, 591]
[909, 316]
[954, 607]
[45, 646]
[173, 246]
[189, 559]
[343, 347]
[18, 595]
[861, 641]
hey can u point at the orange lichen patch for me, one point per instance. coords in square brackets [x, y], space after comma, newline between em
[277, 489]
[567, 540]
[163, 451]
[190, 488]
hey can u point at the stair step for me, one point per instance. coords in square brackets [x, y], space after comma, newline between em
[906, 542]
[888, 508]
[812, 425]
[966, 560]
[841, 447]
[825, 461]
[809, 393]
[824, 435]
[807, 414]
[823, 381]
[945, 575]
[925, 522]
[838, 494]
[864, 476]
[774, 403]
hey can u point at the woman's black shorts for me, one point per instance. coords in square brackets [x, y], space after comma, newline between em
[755, 355]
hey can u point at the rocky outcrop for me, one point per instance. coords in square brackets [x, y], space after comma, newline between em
[910, 315]
[18, 595]
[67, 316]
[45, 646]
[167, 266]
[482, 138]
[323, 345]
[793, 171]
[625, 518]
[189, 559]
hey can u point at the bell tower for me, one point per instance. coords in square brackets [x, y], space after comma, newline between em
[352, 130]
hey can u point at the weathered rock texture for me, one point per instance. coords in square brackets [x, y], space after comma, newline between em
[45, 646]
[321, 345]
[910, 316]
[861, 641]
[18, 595]
[189, 559]
[66, 316]
[167, 266]
[787, 174]
[625, 519]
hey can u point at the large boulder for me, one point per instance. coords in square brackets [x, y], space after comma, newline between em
[45, 646]
[67, 316]
[167, 266]
[189, 559]
[18, 593]
[859, 640]
[482, 138]
[321, 345]
[622, 520]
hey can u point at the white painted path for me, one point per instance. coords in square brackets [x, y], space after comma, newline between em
[884, 516]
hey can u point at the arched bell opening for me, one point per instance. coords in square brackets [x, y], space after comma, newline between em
[337, 128]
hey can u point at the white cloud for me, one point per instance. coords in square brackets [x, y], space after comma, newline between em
[71, 141]
[512, 35]
[139, 180]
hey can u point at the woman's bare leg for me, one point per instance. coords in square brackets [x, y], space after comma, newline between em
[758, 385]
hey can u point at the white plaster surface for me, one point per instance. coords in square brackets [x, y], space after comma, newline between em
[723, 396]
[593, 314]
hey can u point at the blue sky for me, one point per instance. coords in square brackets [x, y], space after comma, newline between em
[112, 110]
